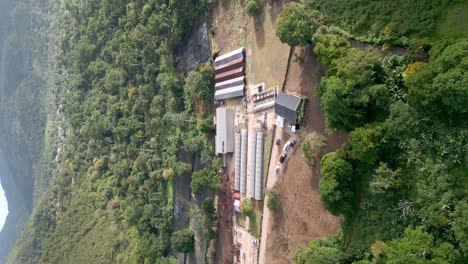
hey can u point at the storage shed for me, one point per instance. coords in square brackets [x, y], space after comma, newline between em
[243, 163]
[286, 106]
[230, 83]
[230, 56]
[237, 63]
[252, 163]
[231, 92]
[259, 167]
[234, 73]
[237, 155]
[224, 130]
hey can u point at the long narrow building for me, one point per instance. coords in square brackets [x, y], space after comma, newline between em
[230, 56]
[234, 73]
[237, 63]
[237, 160]
[259, 167]
[243, 162]
[224, 130]
[252, 163]
[231, 92]
[230, 83]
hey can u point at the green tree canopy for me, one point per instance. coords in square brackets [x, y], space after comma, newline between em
[439, 88]
[321, 251]
[253, 7]
[297, 23]
[247, 208]
[272, 195]
[183, 240]
[418, 246]
[205, 179]
[334, 188]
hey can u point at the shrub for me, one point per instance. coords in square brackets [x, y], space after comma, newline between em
[335, 189]
[253, 7]
[168, 174]
[183, 240]
[273, 198]
[205, 179]
[247, 208]
[208, 207]
[312, 147]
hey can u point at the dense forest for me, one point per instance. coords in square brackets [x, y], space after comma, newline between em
[399, 183]
[97, 121]
[127, 117]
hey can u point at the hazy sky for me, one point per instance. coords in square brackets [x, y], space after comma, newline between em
[3, 207]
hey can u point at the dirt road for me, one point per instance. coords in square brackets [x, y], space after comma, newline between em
[271, 181]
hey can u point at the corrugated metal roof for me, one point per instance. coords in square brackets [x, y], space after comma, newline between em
[259, 167]
[230, 56]
[237, 63]
[238, 72]
[232, 92]
[286, 106]
[230, 83]
[252, 163]
[243, 165]
[237, 160]
[224, 130]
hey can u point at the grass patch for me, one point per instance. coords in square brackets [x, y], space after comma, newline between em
[170, 193]
[267, 155]
[454, 24]
[254, 223]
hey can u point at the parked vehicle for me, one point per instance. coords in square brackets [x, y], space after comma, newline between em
[293, 143]
[278, 141]
[282, 158]
[286, 146]
[277, 168]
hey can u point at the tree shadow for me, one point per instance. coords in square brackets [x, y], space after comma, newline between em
[258, 28]
[276, 7]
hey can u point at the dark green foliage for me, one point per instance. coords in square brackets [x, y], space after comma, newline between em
[335, 184]
[417, 246]
[205, 179]
[208, 208]
[272, 198]
[364, 143]
[321, 251]
[439, 88]
[199, 84]
[460, 225]
[253, 7]
[355, 91]
[183, 240]
[383, 20]
[247, 208]
[404, 164]
[124, 102]
[329, 46]
[206, 125]
[297, 23]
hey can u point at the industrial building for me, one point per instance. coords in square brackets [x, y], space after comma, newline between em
[224, 130]
[287, 106]
[230, 56]
[230, 75]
